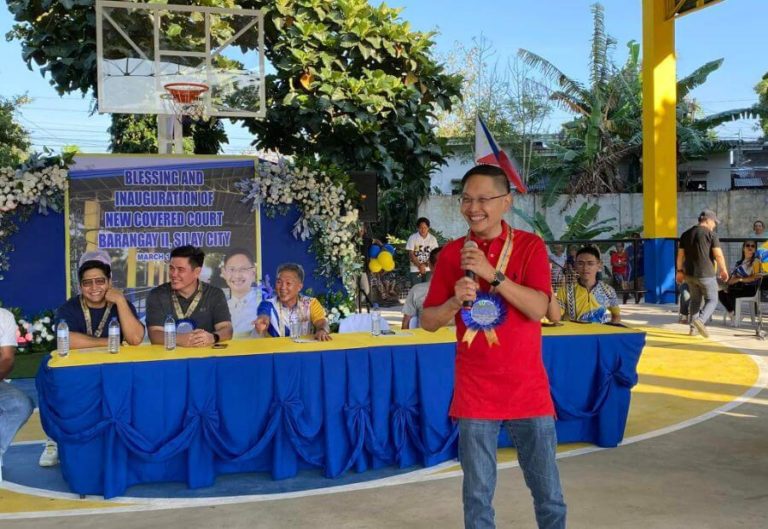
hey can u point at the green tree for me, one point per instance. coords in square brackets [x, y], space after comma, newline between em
[352, 85]
[133, 133]
[137, 133]
[512, 101]
[14, 139]
[762, 93]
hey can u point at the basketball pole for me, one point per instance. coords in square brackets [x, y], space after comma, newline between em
[170, 134]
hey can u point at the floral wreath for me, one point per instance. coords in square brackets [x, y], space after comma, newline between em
[328, 215]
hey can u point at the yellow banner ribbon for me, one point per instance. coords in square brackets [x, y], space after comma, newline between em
[490, 336]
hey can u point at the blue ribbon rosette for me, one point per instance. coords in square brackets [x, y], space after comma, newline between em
[487, 312]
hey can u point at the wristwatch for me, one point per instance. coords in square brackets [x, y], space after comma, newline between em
[216, 337]
[497, 279]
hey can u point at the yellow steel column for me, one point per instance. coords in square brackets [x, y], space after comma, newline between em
[659, 122]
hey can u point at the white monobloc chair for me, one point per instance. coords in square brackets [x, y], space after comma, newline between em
[360, 323]
[753, 301]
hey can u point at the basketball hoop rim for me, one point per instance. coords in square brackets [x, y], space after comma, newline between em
[185, 92]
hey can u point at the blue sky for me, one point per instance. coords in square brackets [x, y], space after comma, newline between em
[558, 30]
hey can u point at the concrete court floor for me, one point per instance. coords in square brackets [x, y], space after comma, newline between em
[712, 475]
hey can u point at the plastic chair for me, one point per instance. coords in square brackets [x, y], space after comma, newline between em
[753, 300]
[360, 323]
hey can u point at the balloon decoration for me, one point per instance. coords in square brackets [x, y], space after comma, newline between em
[382, 258]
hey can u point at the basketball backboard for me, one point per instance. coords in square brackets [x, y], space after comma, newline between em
[143, 48]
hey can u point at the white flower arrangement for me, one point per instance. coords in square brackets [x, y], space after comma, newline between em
[328, 215]
[37, 335]
[19, 187]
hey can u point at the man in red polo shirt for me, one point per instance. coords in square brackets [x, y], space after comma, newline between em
[500, 376]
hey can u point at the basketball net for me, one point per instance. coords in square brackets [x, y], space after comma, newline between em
[186, 99]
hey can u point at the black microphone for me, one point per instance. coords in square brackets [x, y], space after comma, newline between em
[469, 273]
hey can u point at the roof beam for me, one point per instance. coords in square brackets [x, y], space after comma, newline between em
[678, 8]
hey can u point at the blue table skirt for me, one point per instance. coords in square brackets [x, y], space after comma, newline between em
[344, 410]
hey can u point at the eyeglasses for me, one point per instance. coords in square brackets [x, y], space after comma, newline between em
[586, 263]
[96, 281]
[750, 246]
[243, 270]
[482, 201]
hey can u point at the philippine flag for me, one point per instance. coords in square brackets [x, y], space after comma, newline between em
[487, 151]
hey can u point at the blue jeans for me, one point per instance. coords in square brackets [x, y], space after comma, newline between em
[15, 409]
[702, 288]
[536, 441]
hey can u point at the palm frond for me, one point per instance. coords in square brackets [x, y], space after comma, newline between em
[696, 78]
[537, 222]
[566, 102]
[552, 73]
[713, 120]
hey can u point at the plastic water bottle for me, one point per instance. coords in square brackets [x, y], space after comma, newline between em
[169, 333]
[295, 323]
[113, 336]
[375, 320]
[62, 338]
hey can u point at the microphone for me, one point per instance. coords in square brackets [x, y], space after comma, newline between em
[469, 273]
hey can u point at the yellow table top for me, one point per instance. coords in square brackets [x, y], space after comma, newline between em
[255, 346]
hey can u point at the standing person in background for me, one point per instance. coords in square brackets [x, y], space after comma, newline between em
[699, 247]
[636, 265]
[15, 406]
[239, 271]
[558, 260]
[500, 376]
[418, 246]
[620, 269]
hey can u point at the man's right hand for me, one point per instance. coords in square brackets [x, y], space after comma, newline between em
[465, 290]
[679, 278]
[260, 325]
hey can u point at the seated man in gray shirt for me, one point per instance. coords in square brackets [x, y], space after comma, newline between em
[192, 303]
[414, 303]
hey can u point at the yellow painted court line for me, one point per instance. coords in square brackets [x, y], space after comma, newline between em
[15, 502]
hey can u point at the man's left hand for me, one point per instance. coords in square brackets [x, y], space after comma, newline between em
[114, 295]
[474, 260]
[200, 338]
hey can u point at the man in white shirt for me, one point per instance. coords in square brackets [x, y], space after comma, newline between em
[418, 246]
[414, 303]
[239, 272]
[15, 406]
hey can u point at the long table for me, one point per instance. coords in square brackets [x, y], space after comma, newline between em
[272, 405]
